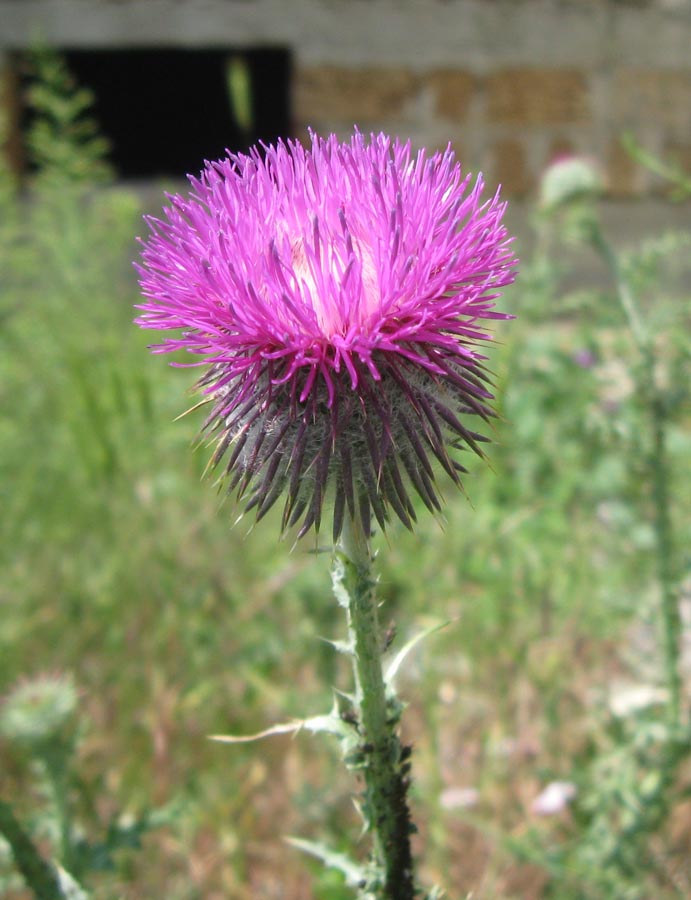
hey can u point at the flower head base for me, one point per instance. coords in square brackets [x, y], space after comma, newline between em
[336, 295]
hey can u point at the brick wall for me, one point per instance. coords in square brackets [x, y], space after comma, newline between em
[510, 83]
[511, 121]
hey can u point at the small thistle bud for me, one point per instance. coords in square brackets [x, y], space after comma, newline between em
[39, 711]
[569, 179]
[337, 296]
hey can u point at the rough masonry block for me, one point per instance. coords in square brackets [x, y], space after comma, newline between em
[534, 97]
[509, 167]
[453, 91]
[352, 95]
[655, 98]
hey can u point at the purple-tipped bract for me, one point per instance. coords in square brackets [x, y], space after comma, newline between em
[336, 295]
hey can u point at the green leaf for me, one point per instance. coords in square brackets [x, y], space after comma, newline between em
[345, 647]
[328, 724]
[71, 889]
[397, 661]
[354, 874]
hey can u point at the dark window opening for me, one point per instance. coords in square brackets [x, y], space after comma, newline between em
[165, 111]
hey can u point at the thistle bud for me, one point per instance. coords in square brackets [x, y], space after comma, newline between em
[39, 711]
[568, 179]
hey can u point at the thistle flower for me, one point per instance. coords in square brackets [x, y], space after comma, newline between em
[336, 295]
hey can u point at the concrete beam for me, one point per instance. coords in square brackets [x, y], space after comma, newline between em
[425, 34]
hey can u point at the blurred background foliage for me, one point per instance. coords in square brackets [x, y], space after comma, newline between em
[124, 572]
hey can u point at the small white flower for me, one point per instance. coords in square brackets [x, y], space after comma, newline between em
[459, 798]
[554, 798]
[626, 700]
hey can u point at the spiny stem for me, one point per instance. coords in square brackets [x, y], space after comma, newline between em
[386, 810]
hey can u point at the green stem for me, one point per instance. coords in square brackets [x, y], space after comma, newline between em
[653, 398]
[38, 874]
[55, 761]
[624, 292]
[671, 615]
[385, 808]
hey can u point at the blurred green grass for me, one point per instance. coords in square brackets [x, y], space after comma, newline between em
[122, 566]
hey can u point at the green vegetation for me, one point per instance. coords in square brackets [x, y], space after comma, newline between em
[123, 570]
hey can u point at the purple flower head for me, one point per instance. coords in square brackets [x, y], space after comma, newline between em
[584, 358]
[336, 296]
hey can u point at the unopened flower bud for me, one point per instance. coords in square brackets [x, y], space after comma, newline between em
[38, 710]
[568, 179]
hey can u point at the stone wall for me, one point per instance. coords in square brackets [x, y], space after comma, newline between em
[513, 120]
[511, 83]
